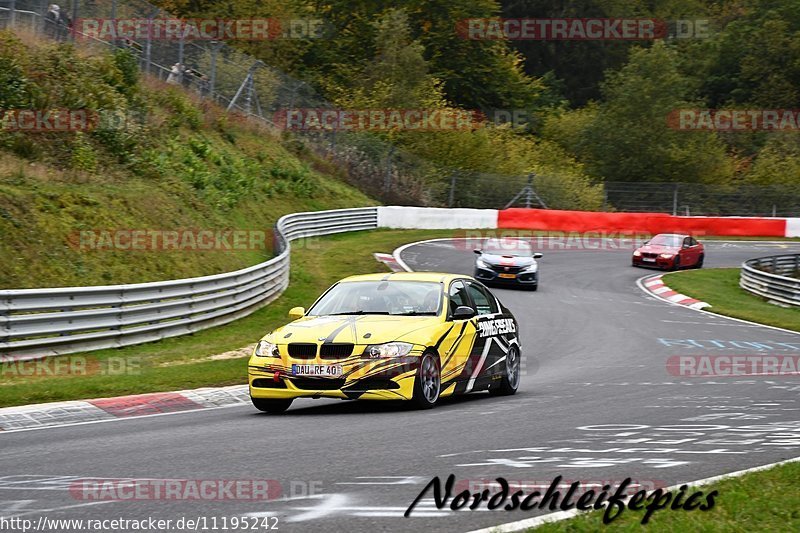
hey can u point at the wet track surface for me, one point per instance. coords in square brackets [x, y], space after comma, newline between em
[596, 403]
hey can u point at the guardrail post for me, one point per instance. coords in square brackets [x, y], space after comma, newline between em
[12, 13]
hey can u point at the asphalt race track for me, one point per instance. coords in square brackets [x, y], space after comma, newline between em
[596, 404]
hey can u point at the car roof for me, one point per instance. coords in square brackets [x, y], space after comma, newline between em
[437, 277]
[682, 235]
[507, 240]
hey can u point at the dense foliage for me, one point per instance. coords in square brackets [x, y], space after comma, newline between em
[604, 104]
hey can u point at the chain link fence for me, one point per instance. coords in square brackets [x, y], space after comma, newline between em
[234, 80]
[702, 200]
[242, 84]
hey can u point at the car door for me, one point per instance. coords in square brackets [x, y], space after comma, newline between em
[697, 248]
[688, 253]
[491, 340]
[456, 345]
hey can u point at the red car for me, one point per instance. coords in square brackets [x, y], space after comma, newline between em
[670, 251]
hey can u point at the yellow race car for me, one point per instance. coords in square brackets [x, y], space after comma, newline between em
[414, 336]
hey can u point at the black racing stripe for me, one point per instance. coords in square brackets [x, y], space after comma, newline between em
[349, 322]
[455, 344]
[446, 333]
[474, 357]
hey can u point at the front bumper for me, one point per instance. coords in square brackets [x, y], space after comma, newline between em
[366, 379]
[491, 277]
[659, 262]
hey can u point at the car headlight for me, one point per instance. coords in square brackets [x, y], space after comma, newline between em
[667, 256]
[389, 349]
[533, 267]
[266, 349]
[482, 264]
[637, 253]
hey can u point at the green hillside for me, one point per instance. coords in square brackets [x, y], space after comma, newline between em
[172, 163]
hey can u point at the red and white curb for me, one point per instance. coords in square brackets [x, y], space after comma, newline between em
[45, 415]
[655, 285]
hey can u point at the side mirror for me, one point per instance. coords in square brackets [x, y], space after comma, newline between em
[296, 312]
[537, 255]
[477, 252]
[463, 312]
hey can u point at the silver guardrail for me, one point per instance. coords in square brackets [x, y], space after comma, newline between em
[775, 277]
[43, 322]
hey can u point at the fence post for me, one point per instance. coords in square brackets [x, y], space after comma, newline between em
[42, 25]
[605, 197]
[180, 60]
[114, 41]
[675, 201]
[451, 197]
[12, 13]
[148, 46]
[71, 30]
[387, 179]
[212, 76]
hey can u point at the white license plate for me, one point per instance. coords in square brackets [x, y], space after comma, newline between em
[649, 259]
[328, 371]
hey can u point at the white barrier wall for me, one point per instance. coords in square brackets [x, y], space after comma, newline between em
[792, 227]
[436, 218]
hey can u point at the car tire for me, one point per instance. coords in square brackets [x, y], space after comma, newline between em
[700, 261]
[272, 406]
[676, 265]
[428, 382]
[510, 381]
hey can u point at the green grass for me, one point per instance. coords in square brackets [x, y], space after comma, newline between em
[760, 501]
[186, 165]
[720, 288]
[183, 362]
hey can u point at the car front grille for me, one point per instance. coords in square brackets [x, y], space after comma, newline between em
[302, 350]
[506, 269]
[649, 255]
[336, 351]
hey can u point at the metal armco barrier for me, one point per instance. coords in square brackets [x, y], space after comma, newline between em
[44, 322]
[766, 277]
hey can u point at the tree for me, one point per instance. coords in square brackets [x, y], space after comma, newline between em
[629, 139]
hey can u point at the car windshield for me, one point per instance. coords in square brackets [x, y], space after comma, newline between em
[667, 240]
[512, 247]
[410, 298]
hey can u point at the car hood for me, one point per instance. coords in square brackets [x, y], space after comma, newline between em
[357, 329]
[658, 249]
[504, 260]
